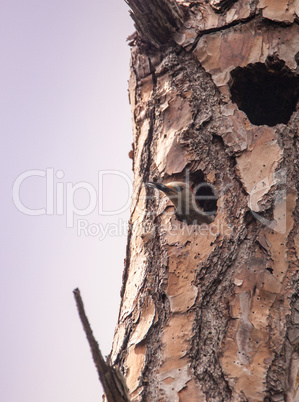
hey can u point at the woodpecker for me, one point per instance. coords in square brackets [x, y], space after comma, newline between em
[184, 200]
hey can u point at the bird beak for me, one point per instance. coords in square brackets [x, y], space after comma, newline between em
[161, 187]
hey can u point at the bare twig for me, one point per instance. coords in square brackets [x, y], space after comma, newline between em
[113, 382]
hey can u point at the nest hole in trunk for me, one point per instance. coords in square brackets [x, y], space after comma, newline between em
[267, 93]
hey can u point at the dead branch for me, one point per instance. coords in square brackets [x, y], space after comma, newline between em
[113, 382]
[156, 20]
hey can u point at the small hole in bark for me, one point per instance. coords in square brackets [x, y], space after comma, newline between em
[205, 193]
[206, 197]
[270, 270]
[163, 297]
[267, 93]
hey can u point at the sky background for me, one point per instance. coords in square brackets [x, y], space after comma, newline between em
[64, 107]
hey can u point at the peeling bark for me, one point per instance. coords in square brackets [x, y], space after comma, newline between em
[211, 312]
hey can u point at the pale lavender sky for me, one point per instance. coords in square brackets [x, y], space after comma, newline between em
[64, 107]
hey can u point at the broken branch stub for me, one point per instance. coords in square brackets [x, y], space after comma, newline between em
[156, 20]
[112, 380]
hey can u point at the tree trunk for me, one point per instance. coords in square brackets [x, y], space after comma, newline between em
[211, 312]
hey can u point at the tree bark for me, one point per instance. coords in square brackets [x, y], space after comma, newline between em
[211, 312]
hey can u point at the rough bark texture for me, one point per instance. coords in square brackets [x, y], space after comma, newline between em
[211, 313]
